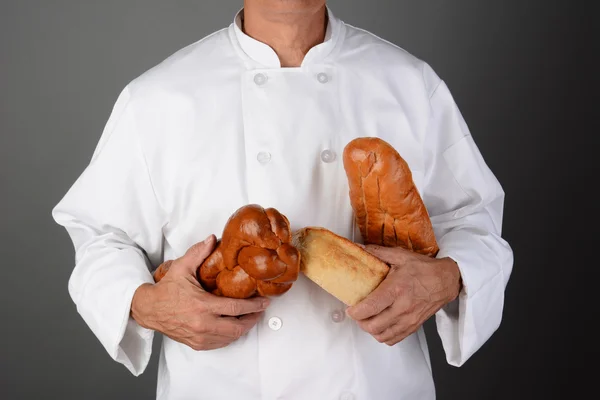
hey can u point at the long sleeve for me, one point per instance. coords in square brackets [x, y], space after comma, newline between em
[115, 222]
[465, 202]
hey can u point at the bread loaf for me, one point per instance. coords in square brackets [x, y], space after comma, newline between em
[253, 257]
[338, 265]
[388, 208]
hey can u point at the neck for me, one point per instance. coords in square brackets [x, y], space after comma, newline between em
[290, 34]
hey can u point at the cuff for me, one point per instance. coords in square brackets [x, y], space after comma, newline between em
[467, 322]
[105, 305]
[134, 342]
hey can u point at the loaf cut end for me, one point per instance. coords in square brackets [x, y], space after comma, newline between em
[339, 266]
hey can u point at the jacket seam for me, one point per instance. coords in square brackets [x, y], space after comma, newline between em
[443, 155]
[146, 168]
[433, 92]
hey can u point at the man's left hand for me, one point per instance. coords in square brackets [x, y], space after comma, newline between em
[416, 287]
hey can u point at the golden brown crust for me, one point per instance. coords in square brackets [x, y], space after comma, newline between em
[253, 257]
[336, 264]
[388, 207]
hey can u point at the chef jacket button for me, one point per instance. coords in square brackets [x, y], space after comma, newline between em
[347, 396]
[328, 156]
[275, 323]
[263, 157]
[337, 316]
[322, 77]
[260, 79]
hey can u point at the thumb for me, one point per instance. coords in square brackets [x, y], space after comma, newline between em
[195, 255]
[378, 300]
[389, 255]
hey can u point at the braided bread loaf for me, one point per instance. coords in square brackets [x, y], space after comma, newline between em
[253, 257]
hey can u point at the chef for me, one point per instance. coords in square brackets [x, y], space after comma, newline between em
[259, 113]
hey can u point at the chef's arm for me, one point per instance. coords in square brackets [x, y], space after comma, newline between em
[465, 202]
[114, 220]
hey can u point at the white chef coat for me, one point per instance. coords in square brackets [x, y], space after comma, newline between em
[219, 125]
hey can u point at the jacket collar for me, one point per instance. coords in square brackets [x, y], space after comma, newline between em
[263, 55]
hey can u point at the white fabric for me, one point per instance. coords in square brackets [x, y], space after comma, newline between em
[197, 137]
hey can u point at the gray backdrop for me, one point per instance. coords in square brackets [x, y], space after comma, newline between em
[517, 71]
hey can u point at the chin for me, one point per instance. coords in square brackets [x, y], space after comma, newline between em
[290, 6]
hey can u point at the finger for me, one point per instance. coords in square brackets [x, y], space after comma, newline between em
[377, 301]
[391, 333]
[396, 339]
[212, 346]
[196, 254]
[208, 342]
[377, 324]
[397, 332]
[236, 307]
[233, 328]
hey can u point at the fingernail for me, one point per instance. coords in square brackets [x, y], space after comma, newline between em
[361, 245]
[208, 239]
[265, 303]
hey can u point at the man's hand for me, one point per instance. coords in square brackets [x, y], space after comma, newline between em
[415, 288]
[178, 307]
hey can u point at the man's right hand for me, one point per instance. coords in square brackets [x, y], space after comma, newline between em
[179, 308]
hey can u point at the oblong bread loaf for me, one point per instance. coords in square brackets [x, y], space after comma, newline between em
[339, 266]
[388, 207]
